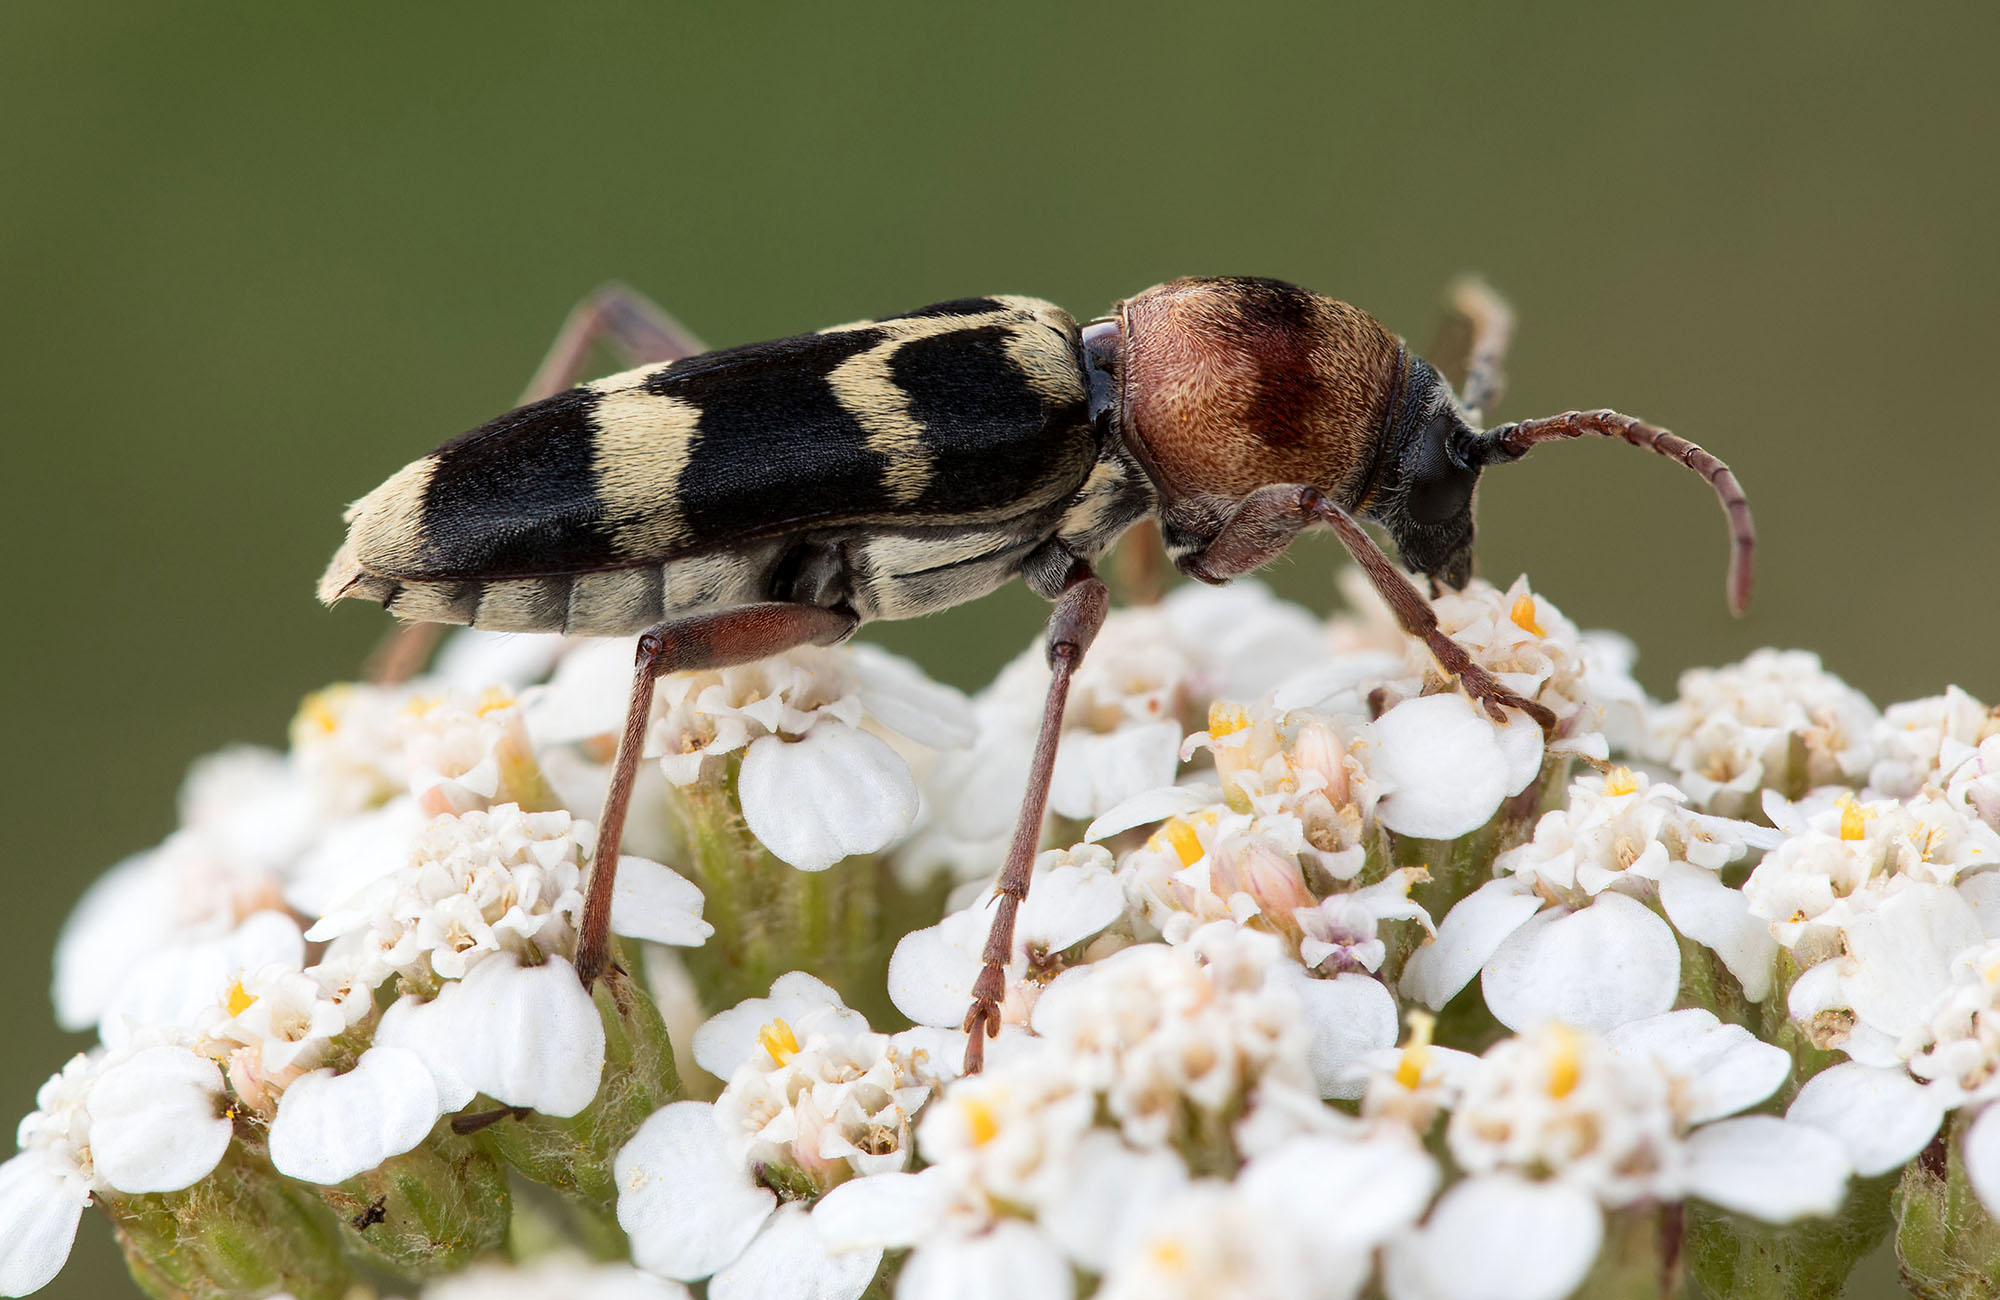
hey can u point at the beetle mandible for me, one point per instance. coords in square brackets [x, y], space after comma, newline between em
[728, 505]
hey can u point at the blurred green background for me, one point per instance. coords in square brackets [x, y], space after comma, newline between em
[255, 257]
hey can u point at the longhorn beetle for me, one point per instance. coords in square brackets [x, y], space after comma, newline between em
[730, 505]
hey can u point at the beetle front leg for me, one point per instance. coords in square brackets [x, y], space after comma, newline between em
[713, 640]
[1417, 618]
[1079, 613]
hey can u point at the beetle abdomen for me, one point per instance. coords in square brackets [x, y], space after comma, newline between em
[965, 413]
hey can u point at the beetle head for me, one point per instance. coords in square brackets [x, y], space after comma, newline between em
[1430, 463]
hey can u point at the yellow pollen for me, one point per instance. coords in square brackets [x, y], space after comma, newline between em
[1523, 615]
[778, 1039]
[240, 1000]
[1181, 838]
[1169, 1256]
[320, 711]
[1226, 719]
[1620, 781]
[1417, 1051]
[979, 1118]
[418, 705]
[495, 699]
[1853, 819]
[1565, 1063]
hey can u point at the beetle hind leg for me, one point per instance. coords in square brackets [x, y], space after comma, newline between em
[1078, 615]
[717, 639]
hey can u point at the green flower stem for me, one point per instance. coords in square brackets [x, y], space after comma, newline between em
[431, 1210]
[1948, 1245]
[242, 1232]
[574, 1155]
[1778, 1027]
[1706, 982]
[769, 917]
[1735, 1258]
[1640, 1258]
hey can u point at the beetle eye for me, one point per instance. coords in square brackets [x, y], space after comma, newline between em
[1439, 490]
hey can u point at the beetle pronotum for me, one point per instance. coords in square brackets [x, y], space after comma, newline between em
[730, 505]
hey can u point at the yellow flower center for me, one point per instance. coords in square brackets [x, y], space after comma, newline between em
[1226, 719]
[495, 699]
[1417, 1051]
[1853, 819]
[1179, 835]
[1169, 1256]
[1620, 781]
[778, 1039]
[1523, 615]
[320, 712]
[980, 1120]
[1565, 1060]
[240, 999]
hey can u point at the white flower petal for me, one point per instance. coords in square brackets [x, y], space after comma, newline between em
[650, 901]
[1347, 1017]
[1981, 1153]
[40, 1207]
[686, 1201]
[1768, 1168]
[1718, 917]
[1441, 762]
[1382, 1186]
[932, 971]
[1111, 1192]
[1901, 952]
[156, 1122]
[1594, 968]
[1347, 673]
[1467, 938]
[524, 1036]
[1095, 772]
[833, 793]
[1521, 745]
[880, 1212]
[1068, 904]
[897, 694]
[728, 1039]
[1499, 1237]
[1152, 806]
[407, 1024]
[1882, 1117]
[126, 914]
[1011, 1262]
[1725, 1066]
[788, 1260]
[176, 984]
[331, 1127]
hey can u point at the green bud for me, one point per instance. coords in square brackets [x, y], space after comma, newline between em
[431, 1210]
[242, 1232]
[1949, 1246]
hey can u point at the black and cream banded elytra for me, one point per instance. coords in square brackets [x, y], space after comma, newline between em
[892, 467]
[734, 504]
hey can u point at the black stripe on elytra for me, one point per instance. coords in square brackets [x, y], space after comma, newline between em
[994, 436]
[517, 495]
[955, 307]
[776, 448]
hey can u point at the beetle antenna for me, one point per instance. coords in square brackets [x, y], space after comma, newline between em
[1509, 442]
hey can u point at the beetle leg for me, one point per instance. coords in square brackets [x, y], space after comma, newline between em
[717, 639]
[1472, 343]
[621, 316]
[1079, 613]
[1418, 619]
[1256, 532]
[616, 314]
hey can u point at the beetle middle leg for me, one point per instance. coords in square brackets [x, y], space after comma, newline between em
[1078, 615]
[1264, 523]
[635, 327]
[716, 639]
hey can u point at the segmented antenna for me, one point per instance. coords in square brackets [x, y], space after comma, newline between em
[1510, 442]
